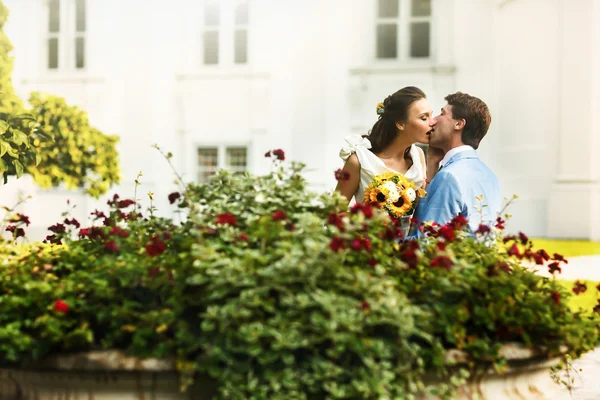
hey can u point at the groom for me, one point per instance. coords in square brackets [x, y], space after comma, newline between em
[457, 176]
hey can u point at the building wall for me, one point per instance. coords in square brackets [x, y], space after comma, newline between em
[312, 79]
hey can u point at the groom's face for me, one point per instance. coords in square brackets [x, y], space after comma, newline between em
[442, 128]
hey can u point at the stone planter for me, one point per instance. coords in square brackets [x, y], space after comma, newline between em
[109, 375]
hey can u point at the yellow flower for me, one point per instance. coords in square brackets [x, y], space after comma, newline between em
[401, 207]
[376, 196]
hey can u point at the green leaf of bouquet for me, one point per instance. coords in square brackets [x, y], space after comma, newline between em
[3, 127]
[25, 116]
[3, 147]
[3, 166]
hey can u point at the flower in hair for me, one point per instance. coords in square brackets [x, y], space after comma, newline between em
[380, 109]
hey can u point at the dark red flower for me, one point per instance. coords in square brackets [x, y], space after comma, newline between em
[125, 203]
[342, 175]
[366, 209]
[61, 306]
[458, 222]
[243, 237]
[366, 244]
[483, 230]
[53, 239]
[57, 228]
[447, 233]
[500, 223]
[167, 235]
[372, 262]
[155, 247]
[579, 287]
[111, 247]
[72, 222]
[336, 219]
[173, 197]
[226, 219]
[278, 216]
[554, 268]
[20, 219]
[268, 153]
[442, 262]
[365, 306]
[154, 271]
[523, 238]
[118, 231]
[279, 154]
[17, 232]
[290, 226]
[441, 246]
[409, 256]
[543, 254]
[98, 214]
[514, 251]
[555, 297]
[503, 266]
[558, 257]
[336, 244]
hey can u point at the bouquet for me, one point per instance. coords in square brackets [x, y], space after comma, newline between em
[393, 193]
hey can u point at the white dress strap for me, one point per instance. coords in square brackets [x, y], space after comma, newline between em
[354, 143]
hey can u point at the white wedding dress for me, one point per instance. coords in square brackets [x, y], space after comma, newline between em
[371, 165]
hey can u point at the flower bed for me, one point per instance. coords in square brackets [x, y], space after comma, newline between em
[270, 291]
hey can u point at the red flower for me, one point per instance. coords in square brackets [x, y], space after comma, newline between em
[356, 244]
[167, 235]
[365, 305]
[57, 228]
[441, 246]
[98, 214]
[20, 219]
[342, 175]
[336, 244]
[17, 232]
[366, 209]
[544, 254]
[558, 257]
[73, 222]
[335, 219]
[372, 262]
[458, 222]
[514, 251]
[556, 297]
[483, 230]
[61, 307]
[111, 247]
[117, 231]
[579, 287]
[226, 219]
[124, 203]
[447, 233]
[155, 247]
[152, 272]
[523, 238]
[366, 243]
[503, 266]
[554, 267]
[279, 154]
[278, 216]
[243, 237]
[500, 223]
[173, 197]
[442, 262]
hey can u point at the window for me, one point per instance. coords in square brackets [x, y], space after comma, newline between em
[403, 29]
[66, 31]
[225, 32]
[211, 159]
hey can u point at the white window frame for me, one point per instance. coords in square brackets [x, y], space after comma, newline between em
[66, 35]
[221, 157]
[403, 38]
[226, 33]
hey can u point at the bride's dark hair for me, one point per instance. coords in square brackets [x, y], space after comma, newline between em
[395, 109]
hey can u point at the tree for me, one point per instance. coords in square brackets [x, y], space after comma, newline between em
[52, 141]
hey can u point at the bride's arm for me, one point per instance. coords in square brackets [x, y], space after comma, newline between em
[348, 187]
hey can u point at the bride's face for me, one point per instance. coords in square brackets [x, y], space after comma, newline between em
[418, 123]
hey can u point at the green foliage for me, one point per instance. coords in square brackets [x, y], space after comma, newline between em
[264, 286]
[53, 141]
[80, 156]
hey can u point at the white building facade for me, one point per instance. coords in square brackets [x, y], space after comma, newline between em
[218, 83]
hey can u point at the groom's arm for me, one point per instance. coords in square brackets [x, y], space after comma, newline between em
[442, 203]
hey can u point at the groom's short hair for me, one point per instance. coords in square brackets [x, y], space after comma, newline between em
[476, 114]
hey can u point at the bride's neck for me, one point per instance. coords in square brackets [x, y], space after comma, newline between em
[397, 149]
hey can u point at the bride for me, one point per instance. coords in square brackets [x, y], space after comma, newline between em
[405, 118]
